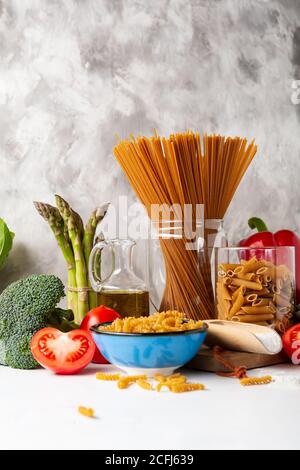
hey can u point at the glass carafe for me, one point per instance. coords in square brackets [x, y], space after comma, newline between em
[122, 289]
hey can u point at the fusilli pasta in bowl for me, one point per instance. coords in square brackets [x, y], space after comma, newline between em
[160, 343]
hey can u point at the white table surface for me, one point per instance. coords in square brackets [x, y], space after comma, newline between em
[39, 411]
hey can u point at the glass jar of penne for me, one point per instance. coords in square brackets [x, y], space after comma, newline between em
[256, 285]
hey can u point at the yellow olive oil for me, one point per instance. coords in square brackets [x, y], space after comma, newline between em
[127, 303]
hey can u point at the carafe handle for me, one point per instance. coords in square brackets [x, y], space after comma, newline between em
[95, 267]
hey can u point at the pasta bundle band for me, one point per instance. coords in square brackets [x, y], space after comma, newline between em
[256, 291]
[179, 170]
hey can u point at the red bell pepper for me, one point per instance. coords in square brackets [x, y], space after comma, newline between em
[265, 238]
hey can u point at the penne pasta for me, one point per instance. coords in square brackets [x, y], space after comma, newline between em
[236, 305]
[223, 291]
[224, 308]
[247, 264]
[253, 310]
[267, 279]
[222, 315]
[268, 294]
[264, 292]
[260, 302]
[247, 276]
[230, 273]
[232, 289]
[251, 298]
[227, 280]
[225, 267]
[241, 289]
[272, 305]
[238, 270]
[271, 271]
[248, 284]
[252, 265]
[223, 305]
[262, 270]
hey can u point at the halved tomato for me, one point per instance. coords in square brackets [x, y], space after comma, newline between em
[63, 353]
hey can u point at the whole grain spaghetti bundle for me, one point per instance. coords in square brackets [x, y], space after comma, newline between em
[179, 170]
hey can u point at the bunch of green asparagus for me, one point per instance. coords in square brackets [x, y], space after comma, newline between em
[76, 242]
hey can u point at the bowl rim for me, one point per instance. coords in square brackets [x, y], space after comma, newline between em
[94, 329]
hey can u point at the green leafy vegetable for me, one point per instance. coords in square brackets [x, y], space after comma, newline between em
[6, 241]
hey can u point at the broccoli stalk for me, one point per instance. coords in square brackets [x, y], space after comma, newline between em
[63, 320]
[26, 306]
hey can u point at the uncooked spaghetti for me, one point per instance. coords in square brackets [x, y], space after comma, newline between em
[183, 169]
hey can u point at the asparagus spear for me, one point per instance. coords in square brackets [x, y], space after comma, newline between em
[52, 216]
[100, 238]
[79, 223]
[88, 241]
[73, 223]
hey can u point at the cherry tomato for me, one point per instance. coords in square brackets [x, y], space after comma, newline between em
[291, 341]
[63, 353]
[95, 316]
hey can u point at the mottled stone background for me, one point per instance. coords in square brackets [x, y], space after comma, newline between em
[74, 73]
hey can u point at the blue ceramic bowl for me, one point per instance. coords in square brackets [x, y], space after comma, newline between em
[149, 353]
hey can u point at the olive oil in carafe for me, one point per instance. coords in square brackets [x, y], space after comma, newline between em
[122, 290]
[127, 303]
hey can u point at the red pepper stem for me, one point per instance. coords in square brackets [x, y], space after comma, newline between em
[256, 222]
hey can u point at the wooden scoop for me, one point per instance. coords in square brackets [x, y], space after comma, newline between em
[245, 337]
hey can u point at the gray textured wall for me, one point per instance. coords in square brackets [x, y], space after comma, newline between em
[74, 73]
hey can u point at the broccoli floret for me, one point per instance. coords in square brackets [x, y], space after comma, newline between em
[26, 306]
[18, 354]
